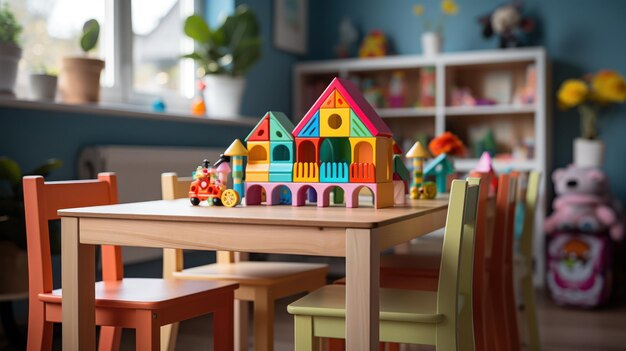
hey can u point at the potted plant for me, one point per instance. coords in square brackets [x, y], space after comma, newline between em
[591, 95]
[43, 84]
[432, 37]
[226, 54]
[10, 51]
[79, 81]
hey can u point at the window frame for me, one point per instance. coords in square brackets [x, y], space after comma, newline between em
[120, 30]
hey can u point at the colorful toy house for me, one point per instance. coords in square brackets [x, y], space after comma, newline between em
[340, 142]
[440, 167]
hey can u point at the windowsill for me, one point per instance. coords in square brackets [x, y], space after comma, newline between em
[124, 111]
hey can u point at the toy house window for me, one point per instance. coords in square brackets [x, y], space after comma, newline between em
[281, 154]
[335, 150]
[363, 153]
[307, 152]
[257, 153]
[334, 121]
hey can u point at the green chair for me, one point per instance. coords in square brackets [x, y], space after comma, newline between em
[442, 318]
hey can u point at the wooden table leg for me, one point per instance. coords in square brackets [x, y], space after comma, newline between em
[79, 276]
[362, 288]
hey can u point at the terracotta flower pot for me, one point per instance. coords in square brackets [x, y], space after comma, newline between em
[79, 80]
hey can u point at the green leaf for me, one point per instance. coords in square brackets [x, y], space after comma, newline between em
[194, 56]
[91, 32]
[10, 171]
[197, 29]
[47, 167]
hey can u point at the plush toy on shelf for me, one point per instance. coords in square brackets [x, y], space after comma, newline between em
[373, 45]
[507, 22]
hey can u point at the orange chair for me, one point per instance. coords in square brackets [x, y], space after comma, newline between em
[142, 304]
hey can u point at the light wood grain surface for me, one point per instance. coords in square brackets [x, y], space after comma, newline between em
[181, 210]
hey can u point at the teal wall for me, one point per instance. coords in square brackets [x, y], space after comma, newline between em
[580, 37]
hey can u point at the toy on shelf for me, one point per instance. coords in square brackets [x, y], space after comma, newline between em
[427, 87]
[525, 95]
[210, 184]
[507, 22]
[198, 108]
[372, 93]
[348, 35]
[373, 45]
[397, 90]
[341, 142]
[581, 229]
[462, 97]
[419, 188]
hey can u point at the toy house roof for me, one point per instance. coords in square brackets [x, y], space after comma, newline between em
[236, 149]
[400, 168]
[484, 164]
[363, 110]
[441, 160]
[417, 151]
[274, 126]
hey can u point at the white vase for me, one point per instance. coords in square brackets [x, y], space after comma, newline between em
[43, 86]
[588, 153]
[9, 57]
[431, 43]
[222, 95]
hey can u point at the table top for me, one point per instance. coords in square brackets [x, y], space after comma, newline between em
[310, 215]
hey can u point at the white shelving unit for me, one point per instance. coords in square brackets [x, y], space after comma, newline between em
[464, 69]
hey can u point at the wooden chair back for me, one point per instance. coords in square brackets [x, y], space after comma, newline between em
[456, 270]
[172, 188]
[42, 200]
[530, 205]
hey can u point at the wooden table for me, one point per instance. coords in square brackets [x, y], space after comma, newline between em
[358, 234]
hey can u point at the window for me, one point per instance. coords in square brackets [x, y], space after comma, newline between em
[141, 42]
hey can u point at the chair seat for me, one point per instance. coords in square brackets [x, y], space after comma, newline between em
[253, 273]
[142, 293]
[395, 304]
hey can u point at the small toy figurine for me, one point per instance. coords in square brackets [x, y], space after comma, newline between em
[419, 188]
[397, 90]
[210, 184]
[427, 87]
[507, 22]
[372, 93]
[158, 105]
[373, 45]
[236, 151]
[485, 165]
[198, 108]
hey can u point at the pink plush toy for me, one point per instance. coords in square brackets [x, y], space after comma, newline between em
[583, 203]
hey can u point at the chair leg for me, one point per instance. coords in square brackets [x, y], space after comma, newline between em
[530, 311]
[223, 328]
[446, 338]
[39, 330]
[393, 346]
[303, 333]
[241, 325]
[147, 332]
[169, 335]
[110, 338]
[336, 344]
[263, 320]
[511, 314]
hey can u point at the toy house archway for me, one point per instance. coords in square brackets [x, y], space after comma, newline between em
[363, 152]
[258, 153]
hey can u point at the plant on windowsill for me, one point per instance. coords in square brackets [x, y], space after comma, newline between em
[225, 53]
[10, 50]
[79, 81]
[591, 95]
[13, 227]
[43, 83]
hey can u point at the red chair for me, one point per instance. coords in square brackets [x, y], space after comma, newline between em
[142, 304]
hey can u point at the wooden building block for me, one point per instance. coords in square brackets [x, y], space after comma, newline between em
[335, 122]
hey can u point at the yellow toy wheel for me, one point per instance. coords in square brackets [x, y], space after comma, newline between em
[230, 198]
[429, 190]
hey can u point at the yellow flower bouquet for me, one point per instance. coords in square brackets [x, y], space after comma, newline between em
[591, 94]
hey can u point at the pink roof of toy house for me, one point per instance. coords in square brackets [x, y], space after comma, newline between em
[358, 104]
